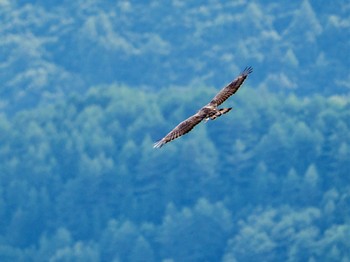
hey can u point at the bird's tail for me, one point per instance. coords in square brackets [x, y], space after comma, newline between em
[159, 143]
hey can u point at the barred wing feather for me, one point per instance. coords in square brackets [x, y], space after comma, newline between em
[183, 128]
[231, 88]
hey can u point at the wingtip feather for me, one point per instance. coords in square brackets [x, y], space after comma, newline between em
[248, 70]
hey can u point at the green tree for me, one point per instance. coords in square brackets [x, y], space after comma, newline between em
[195, 234]
[142, 251]
[117, 240]
[311, 185]
[281, 234]
[305, 145]
[78, 252]
[334, 245]
[292, 188]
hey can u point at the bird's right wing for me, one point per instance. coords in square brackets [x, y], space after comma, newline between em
[231, 88]
[183, 128]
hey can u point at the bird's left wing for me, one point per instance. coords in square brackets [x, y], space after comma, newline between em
[231, 88]
[183, 128]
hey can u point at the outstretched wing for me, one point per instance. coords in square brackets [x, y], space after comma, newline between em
[231, 88]
[181, 129]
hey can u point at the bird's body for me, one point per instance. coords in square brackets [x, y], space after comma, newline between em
[209, 111]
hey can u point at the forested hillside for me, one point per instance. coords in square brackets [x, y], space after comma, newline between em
[87, 87]
[49, 48]
[80, 179]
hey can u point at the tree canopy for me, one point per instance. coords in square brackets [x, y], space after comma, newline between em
[81, 181]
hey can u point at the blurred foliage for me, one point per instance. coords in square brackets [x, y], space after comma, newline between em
[49, 48]
[80, 181]
[88, 86]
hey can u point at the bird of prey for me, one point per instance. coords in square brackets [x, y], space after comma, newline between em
[209, 111]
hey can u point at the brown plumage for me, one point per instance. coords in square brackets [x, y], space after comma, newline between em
[209, 111]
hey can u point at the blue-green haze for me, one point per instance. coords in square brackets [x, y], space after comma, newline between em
[87, 87]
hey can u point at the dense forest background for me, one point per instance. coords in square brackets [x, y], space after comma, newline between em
[86, 87]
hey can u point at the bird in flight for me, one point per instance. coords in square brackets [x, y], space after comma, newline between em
[209, 111]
